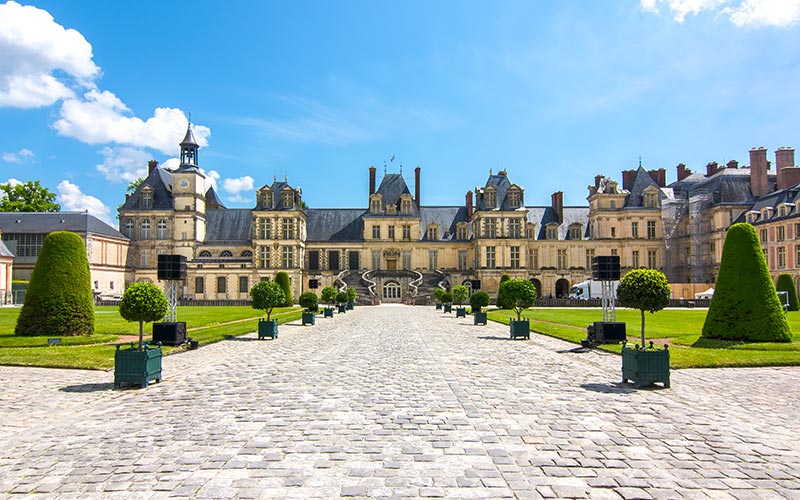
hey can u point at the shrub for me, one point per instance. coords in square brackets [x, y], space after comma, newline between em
[437, 294]
[267, 295]
[502, 300]
[351, 293]
[479, 300]
[520, 294]
[786, 284]
[309, 301]
[282, 278]
[447, 298]
[59, 298]
[341, 298]
[745, 305]
[329, 295]
[145, 303]
[644, 289]
[460, 294]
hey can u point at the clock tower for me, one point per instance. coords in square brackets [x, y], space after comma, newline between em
[188, 194]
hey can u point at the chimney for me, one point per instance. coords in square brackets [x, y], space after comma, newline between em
[627, 178]
[151, 165]
[712, 168]
[659, 176]
[784, 158]
[597, 179]
[683, 172]
[416, 185]
[759, 168]
[558, 205]
[469, 204]
[732, 164]
[371, 181]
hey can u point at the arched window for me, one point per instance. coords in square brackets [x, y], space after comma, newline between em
[247, 253]
[204, 253]
[226, 253]
[161, 229]
[144, 230]
[128, 228]
[391, 290]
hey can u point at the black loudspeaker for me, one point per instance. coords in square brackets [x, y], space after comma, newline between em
[171, 267]
[476, 284]
[313, 284]
[169, 333]
[605, 267]
[609, 332]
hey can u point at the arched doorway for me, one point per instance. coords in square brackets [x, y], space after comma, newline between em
[468, 284]
[562, 288]
[392, 291]
[538, 285]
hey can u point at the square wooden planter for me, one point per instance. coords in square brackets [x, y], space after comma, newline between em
[645, 366]
[137, 367]
[479, 318]
[327, 312]
[438, 306]
[461, 312]
[520, 329]
[448, 308]
[309, 318]
[351, 304]
[267, 329]
[342, 308]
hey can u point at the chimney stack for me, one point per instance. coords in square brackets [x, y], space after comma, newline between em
[759, 168]
[416, 185]
[712, 168]
[469, 204]
[627, 178]
[732, 164]
[787, 176]
[659, 176]
[371, 181]
[683, 172]
[597, 179]
[558, 205]
[151, 165]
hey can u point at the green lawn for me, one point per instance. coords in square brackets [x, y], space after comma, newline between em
[678, 328]
[205, 324]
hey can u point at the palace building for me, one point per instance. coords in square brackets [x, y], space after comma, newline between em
[396, 248]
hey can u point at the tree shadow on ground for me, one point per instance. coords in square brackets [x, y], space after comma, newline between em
[610, 388]
[494, 337]
[88, 387]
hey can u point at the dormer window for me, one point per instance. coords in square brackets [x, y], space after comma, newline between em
[265, 198]
[375, 205]
[287, 199]
[391, 209]
[514, 198]
[752, 216]
[433, 231]
[575, 232]
[766, 213]
[650, 200]
[146, 199]
[552, 232]
[405, 205]
[530, 230]
[462, 231]
[490, 198]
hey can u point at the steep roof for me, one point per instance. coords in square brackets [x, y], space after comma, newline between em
[47, 222]
[212, 200]
[501, 184]
[642, 180]
[4, 251]
[445, 217]
[391, 188]
[229, 224]
[728, 186]
[542, 216]
[161, 183]
[335, 224]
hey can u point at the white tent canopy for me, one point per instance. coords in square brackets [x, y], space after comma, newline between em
[705, 295]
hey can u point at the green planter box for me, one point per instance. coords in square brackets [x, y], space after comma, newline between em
[479, 318]
[309, 318]
[448, 308]
[438, 306]
[328, 313]
[461, 312]
[645, 366]
[267, 329]
[351, 304]
[137, 367]
[520, 329]
[342, 308]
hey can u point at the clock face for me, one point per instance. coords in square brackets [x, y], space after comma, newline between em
[184, 184]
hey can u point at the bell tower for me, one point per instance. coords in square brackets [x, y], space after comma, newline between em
[188, 192]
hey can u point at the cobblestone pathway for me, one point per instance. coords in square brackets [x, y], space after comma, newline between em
[397, 402]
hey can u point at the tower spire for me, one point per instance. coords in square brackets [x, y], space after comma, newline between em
[189, 149]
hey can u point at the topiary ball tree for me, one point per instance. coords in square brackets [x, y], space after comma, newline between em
[520, 294]
[351, 293]
[478, 300]
[145, 303]
[341, 298]
[502, 300]
[645, 290]
[460, 294]
[309, 301]
[267, 295]
[745, 305]
[282, 278]
[786, 284]
[437, 294]
[329, 295]
[59, 298]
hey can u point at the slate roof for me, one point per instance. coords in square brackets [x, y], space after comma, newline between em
[212, 200]
[335, 224]
[728, 186]
[277, 187]
[392, 186]
[161, 182]
[47, 222]
[501, 184]
[4, 251]
[446, 217]
[229, 225]
[642, 180]
[541, 216]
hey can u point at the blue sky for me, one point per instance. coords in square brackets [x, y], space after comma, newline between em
[554, 92]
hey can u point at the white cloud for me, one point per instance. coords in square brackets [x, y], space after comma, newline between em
[123, 163]
[11, 158]
[34, 47]
[780, 13]
[13, 182]
[212, 176]
[236, 186]
[18, 157]
[72, 199]
[27, 153]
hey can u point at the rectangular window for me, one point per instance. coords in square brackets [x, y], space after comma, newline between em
[562, 259]
[288, 229]
[462, 260]
[333, 260]
[533, 259]
[552, 233]
[184, 235]
[406, 232]
[376, 232]
[287, 257]
[264, 229]
[161, 230]
[313, 260]
[461, 232]
[781, 233]
[264, 258]
[614, 251]
[613, 232]
[376, 259]
[514, 228]
[27, 244]
[222, 284]
[491, 263]
[589, 257]
[490, 228]
[652, 259]
[199, 285]
[407, 261]
[244, 284]
[634, 229]
[433, 232]
[391, 232]
[144, 257]
[514, 257]
[433, 259]
[763, 234]
[781, 257]
[575, 233]
[353, 260]
[651, 230]
[797, 231]
[635, 259]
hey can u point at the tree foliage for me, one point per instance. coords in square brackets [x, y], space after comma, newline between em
[519, 294]
[282, 278]
[27, 197]
[478, 300]
[460, 294]
[143, 302]
[59, 297]
[447, 298]
[351, 293]
[309, 301]
[644, 289]
[341, 298]
[786, 284]
[437, 294]
[745, 305]
[503, 301]
[267, 295]
[329, 295]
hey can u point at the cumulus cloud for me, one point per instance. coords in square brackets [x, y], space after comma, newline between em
[18, 157]
[236, 187]
[72, 199]
[212, 176]
[780, 13]
[34, 48]
[13, 182]
[123, 163]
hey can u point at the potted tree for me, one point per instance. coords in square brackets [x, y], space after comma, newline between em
[351, 297]
[267, 295]
[309, 301]
[447, 301]
[520, 295]
[460, 294]
[478, 301]
[145, 303]
[437, 294]
[341, 301]
[646, 290]
[328, 297]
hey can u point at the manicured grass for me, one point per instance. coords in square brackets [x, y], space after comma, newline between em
[205, 324]
[680, 328]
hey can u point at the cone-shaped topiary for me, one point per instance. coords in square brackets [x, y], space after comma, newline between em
[59, 298]
[786, 284]
[745, 305]
[502, 301]
[282, 278]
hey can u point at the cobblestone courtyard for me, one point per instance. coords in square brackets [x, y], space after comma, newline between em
[396, 402]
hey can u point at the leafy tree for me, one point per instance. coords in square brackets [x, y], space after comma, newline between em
[134, 185]
[28, 197]
[745, 305]
[447, 298]
[479, 300]
[351, 293]
[644, 289]
[520, 294]
[460, 294]
[267, 295]
[309, 301]
[143, 302]
[341, 298]
[786, 284]
[59, 298]
[282, 278]
[503, 301]
[437, 294]
[329, 295]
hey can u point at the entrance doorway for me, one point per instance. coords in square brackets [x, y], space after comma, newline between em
[391, 264]
[392, 292]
